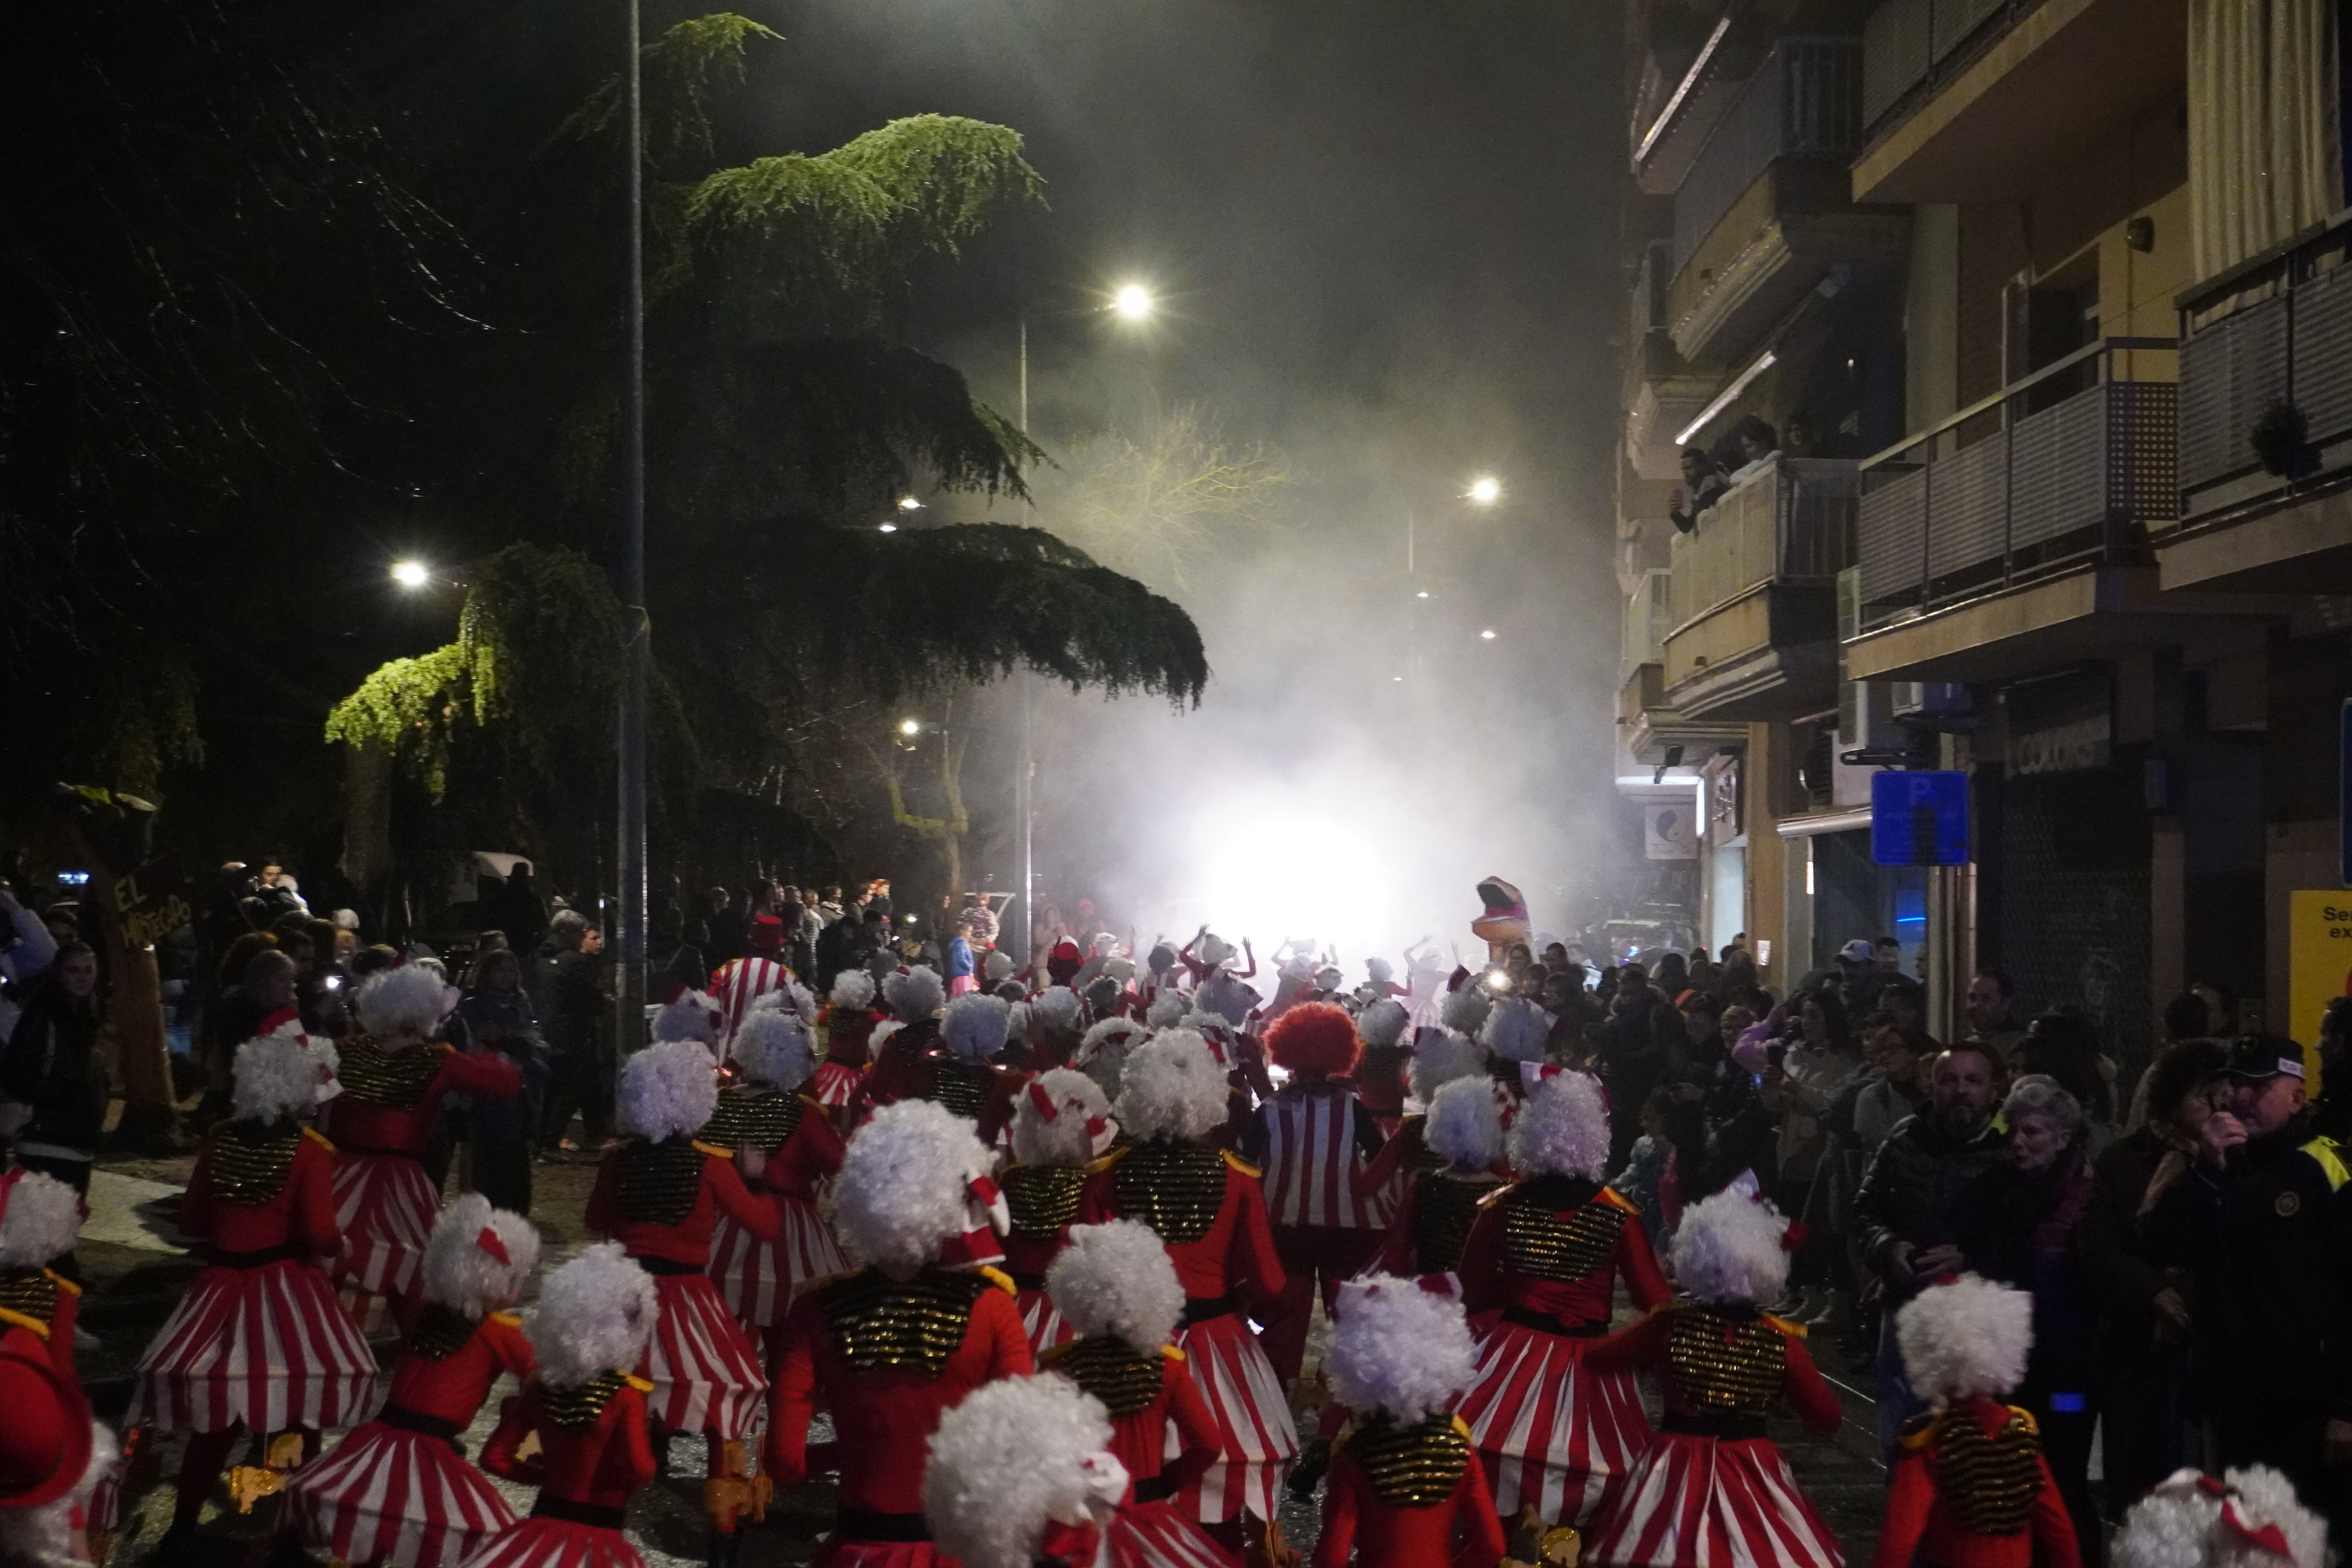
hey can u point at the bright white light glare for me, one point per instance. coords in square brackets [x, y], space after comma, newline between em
[909, 503]
[1423, 595]
[1497, 980]
[911, 726]
[1725, 399]
[1396, 677]
[890, 527]
[1486, 490]
[1488, 634]
[411, 573]
[1274, 864]
[1133, 302]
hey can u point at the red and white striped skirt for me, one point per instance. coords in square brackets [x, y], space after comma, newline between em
[1550, 1432]
[1043, 1322]
[1689, 1501]
[704, 1368]
[1154, 1535]
[834, 1084]
[390, 1496]
[1256, 1439]
[542, 1542]
[269, 1346]
[757, 1277]
[386, 1205]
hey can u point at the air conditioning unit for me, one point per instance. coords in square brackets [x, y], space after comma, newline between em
[1927, 698]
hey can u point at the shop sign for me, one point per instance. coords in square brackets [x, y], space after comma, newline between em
[1670, 832]
[2318, 966]
[2063, 725]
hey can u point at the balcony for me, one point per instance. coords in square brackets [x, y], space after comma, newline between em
[1646, 722]
[1752, 596]
[1763, 214]
[1977, 101]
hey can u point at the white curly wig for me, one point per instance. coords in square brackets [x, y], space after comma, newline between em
[40, 1221]
[1398, 1348]
[1172, 1088]
[1166, 1010]
[1562, 1130]
[668, 1090]
[1227, 995]
[1215, 949]
[277, 1074]
[1516, 1028]
[773, 1047]
[463, 1273]
[997, 966]
[1965, 1340]
[1057, 1011]
[853, 989]
[2179, 1524]
[902, 1190]
[1729, 1251]
[919, 992]
[973, 1025]
[596, 1315]
[690, 1016]
[1463, 1125]
[1102, 1055]
[1464, 1008]
[404, 1001]
[790, 996]
[1063, 1139]
[1381, 1023]
[1017, 1455]
[1441, 1056]
[1117, 1282]
[1380, 971]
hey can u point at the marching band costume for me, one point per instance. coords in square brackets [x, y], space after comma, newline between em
[53, 1458]
[967, 1074]
[1118, 1291]
[1711, 1491]
[39, 1218]
[393, 1078]
[891, 1348]
[1380, 1064]
[1102, 1052]
[596, 1316]
[787, 1150]
[903, 1047]
[1547, 1251]
[1405, 1490]
[1057, 1026]
[1461, 1133]
[1208, 1210]
[1439, 1056]
[1061, 1124]
[848, 1022]
[1969, 1487]
[1517, 1035]
[742, 983]
[395, 1491]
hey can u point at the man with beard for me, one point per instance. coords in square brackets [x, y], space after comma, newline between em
[1902, 1215]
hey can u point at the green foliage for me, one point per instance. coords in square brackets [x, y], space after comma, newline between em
[680, 69]
[410, 706]
[1160, 501]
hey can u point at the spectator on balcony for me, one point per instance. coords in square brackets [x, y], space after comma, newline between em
[1704, 482]
[1760, 447]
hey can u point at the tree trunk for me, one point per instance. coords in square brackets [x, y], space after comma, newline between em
[134, 1018]
[367, 818]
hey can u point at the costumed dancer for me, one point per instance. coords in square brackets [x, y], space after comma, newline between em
[904, 1044]
[1464, 1129]
[1439, 1056]
[1516, 1032]
[967, 1077]
[1406, 1489]
[258, 1340]
[1712, 1490]
[742, 982]
[1021, 1475]
[1241, 1054]
[1056, 1026]
[41, 1218]
[1061, 1125]
[1546, 1252]
[2251, 1518]
[891, 1347]
[1209, 1210]
[1313, 1140]
[848, 1022]
[1102, 1054]
[586, 1411]
[1380, 1064]
[1971, 1488]
[54, 1461]
[786, 1151]
[393, 1075]
[1160, 979]
[1118, 1291]
[395, 1492]
[660, 1197]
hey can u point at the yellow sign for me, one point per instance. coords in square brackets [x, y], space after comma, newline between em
[2319, 965]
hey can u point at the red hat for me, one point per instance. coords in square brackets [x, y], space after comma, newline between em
[45, 1443]
[767, 931]
[1313, 1037]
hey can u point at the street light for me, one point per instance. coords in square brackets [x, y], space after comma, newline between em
[889, 527]
[1134, 302]
[1488, 635]
[1484, 490]
[909, 503]
[411, 573]
[910, 727]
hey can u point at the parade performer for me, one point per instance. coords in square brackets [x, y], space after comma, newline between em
[1021, 1475]
[1056, 1026]
[1313, 1140]
[1160, 979]
[41, 1218]
[1465, 1003]
[1061, 1125]
[1439, 1056]
[1406, 1489]
[660, 1196]
[2251, 1518]
[1241, 1054]
[848, 1022]
[1464, 1132]
[1380, 980]
[1116, 1288]
[785, 1151]
[1712, 1490]
[740, 982]
[892, 1347]
[1971, 1488]
[1209, 1210]
[394, 1076]
[54, 1459]
[595, 1318]
[1546, 1252]
[395, 1491]
[903, 1044]
[1380, 1064]
[967, 1075]
[258, 1341]
[1102, 1054]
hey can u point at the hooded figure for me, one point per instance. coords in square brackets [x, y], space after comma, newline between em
[1711, 1490]
[1061, 1124]
[1209, 1211]
[395, 1491]
[847, 1024]
[786, 1150]
[891, 1348]
[587, 1411]
[1463, 1133]
[1547, 1254]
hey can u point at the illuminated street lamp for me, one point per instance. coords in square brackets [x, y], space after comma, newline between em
[1484, 490]
[909, 503]
[910, 727]
[1134, 303]
[1488, 635]
[411, 573]
[889, 527]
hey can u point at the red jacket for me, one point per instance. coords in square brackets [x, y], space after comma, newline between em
[453, 1388]
[1643, 1344]
[810, 1157]
[367, 1128]
[687, 1241]
[303, 1210]
[1922, 1527]
[58, 1326]
[1139, 1439]
[603, 1464]
[1236, 1254]
[1461, 1529]
[1488, 1282]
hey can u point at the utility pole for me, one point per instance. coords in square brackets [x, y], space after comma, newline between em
[1024, 779]
[636, 627]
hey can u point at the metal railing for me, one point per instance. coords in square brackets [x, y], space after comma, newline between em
[1649, 616]
[1792, 522]
[2079, 464]
[1804, 99]
[1906, 43]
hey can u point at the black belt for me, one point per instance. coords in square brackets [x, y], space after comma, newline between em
[1544, 1323]
[284, 1252]
[1025, 1281]
[590, 1513]
[658, 1267]
[1731, 1425]
[416, 1421]
[1153, 1489]
[1200, 1308]
[863, 1524]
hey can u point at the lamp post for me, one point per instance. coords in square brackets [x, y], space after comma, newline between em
[636, 627]
[1024, 777]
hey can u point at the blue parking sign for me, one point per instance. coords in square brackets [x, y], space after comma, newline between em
[1919, 818]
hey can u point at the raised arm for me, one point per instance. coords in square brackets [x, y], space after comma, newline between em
[1645, 1280]
[1640, 1343]
[735, 1200]
[1806, 1390]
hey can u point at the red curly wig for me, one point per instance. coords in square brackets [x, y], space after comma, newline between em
[1314, 1040]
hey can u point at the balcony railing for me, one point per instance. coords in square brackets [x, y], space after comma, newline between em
[2286, 345]
[1649, 616]
[2079, 464]
[1793, 522]
[1908, 42]
[1804, 99]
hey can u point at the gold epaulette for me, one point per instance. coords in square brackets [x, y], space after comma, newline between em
[1464, 1428]
[1918, 1432]
[61, 1282]
[1491, 1199]
[713, 1149]
[1243, 1166]
[1611, 1195]
[324, 1142]
[641, 1384]
[1794, 1330]
[2025, 1419]
[1171, 1353]
[998, 1278]
[22, 1321]
[511, 1320]
[1113, 1158]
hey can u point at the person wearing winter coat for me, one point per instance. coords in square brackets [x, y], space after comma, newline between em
[50, 1070]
